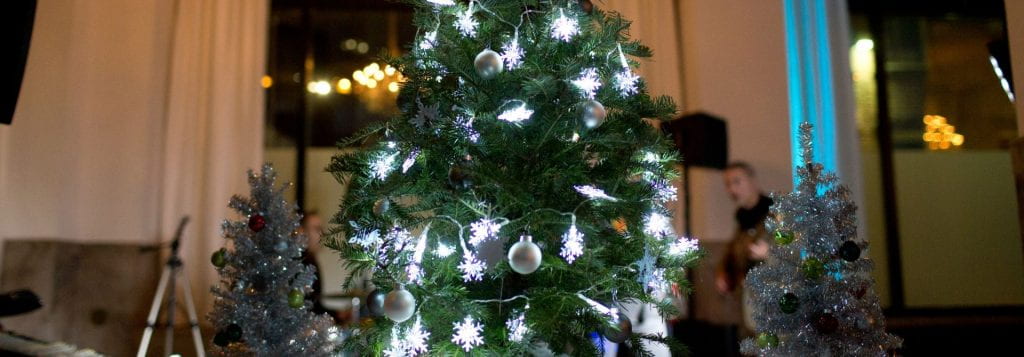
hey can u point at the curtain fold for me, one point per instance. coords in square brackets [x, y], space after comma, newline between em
[214, 124]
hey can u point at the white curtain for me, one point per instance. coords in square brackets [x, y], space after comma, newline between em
[132, 114]
[214, 127]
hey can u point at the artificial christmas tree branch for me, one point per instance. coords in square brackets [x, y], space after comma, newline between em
[523, 129]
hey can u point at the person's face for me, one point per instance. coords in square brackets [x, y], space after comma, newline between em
[313, 227]
[741, 187]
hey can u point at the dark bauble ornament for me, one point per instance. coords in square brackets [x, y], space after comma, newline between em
[296, 298]
[812, 268]
[231, 333]
[587, 6]
[789, 303]
[488, 64]
[784, 237]
[767, 340]
[234, 332]
[382, 206]
[524, 257]
[849, 251]
[221, 339]
[826, 323]
[219, 258]
[624, 331]
[375, 302]
[399, 305]
[259, 286]
[257, 222]
[459, 177]
[593, 114]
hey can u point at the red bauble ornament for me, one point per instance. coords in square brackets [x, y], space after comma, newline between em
[257, 222]
[860, 292]
[826, 323]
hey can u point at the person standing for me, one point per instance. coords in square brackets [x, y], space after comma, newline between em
[313, 227]
[750, 243]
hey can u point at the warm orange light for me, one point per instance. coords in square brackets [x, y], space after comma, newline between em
[957, 140]
[939, 135]
[344, 86]
[266, 81]
[619, 224]
[393, 87]
[371, 83]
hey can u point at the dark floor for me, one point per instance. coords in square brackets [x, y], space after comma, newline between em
[925, 333]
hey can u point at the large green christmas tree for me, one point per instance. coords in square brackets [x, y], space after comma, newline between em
[518, 199]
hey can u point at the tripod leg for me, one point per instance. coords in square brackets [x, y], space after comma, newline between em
[154, 311]
[197, 338]
[171, 310]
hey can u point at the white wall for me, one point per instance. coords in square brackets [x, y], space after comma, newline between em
[79, 162]
[736, 69]
[959, 237]
[727, 60]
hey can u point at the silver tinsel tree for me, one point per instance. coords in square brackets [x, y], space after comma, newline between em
[260, 306]
[814, 295]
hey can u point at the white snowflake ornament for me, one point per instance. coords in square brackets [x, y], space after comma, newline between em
[467, 334]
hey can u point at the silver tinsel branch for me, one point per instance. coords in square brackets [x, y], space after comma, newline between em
[814, 295]
[264, 270]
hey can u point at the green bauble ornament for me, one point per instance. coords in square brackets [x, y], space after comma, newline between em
[296, 298]
[767, 340]
[812, 268]
[784, 237]
[788, 303]
[219, 258]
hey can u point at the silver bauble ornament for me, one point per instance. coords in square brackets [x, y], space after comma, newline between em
[488, 64]
[375, 302]
[524, 257]
[593, 114]
[625, 330]
[399, 305]
[382, 206]
[281, 246]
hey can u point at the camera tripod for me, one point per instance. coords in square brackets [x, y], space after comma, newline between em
[172, 269]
